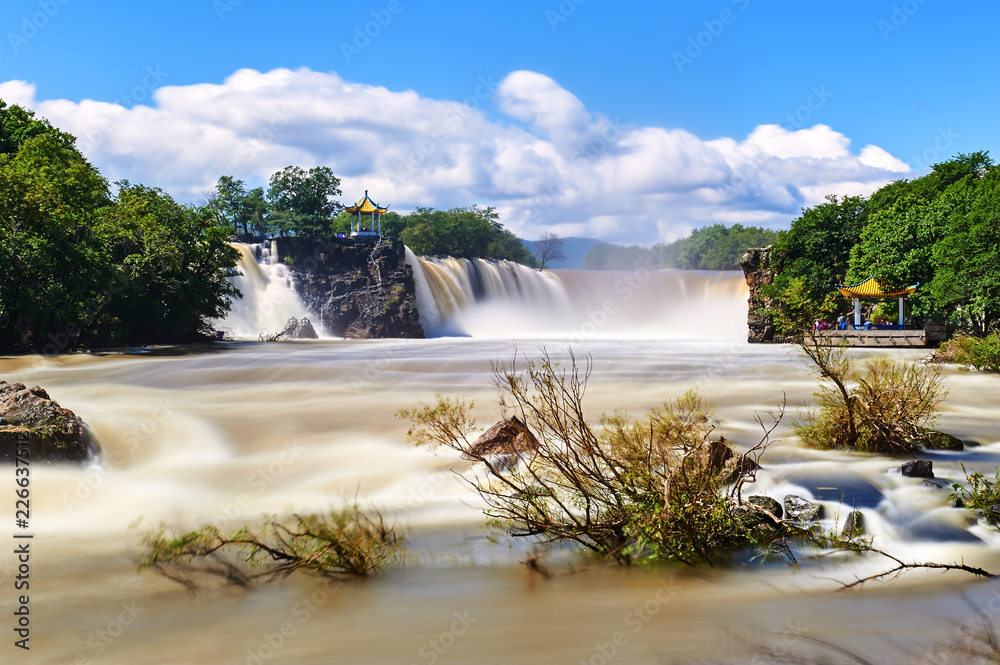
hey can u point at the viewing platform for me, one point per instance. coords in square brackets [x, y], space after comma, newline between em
[929, 335]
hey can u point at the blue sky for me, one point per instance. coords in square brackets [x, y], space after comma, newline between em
[628, 121]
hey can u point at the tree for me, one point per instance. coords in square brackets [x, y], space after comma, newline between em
[548, 248]
[655, 489]
[302, 202]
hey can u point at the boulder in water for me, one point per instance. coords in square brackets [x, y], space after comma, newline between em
[801, 510]
[854, 525]
[53, 434]
[918, 468]
[718, 457]
[934, 440]
[510, 436]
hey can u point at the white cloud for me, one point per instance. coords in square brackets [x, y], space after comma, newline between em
[559, 167]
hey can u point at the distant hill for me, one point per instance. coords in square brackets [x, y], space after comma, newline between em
[575, 249]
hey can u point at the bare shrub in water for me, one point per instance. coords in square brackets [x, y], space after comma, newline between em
[651, 489]
[338, 545]
[885, 407]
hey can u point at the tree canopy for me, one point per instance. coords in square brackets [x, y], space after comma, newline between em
[941, 231]
[715, 247]
[85, 269]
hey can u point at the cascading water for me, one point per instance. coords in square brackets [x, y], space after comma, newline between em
[501, 299]
[269, 299]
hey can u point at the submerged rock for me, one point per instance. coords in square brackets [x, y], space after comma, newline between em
[510, 436]
[53, 434]
[934, 440]
[801, 510]
[767, 503]
[854, 525]
[717, 457]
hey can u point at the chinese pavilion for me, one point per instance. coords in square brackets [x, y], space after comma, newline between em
[870, 288]
[366, 207]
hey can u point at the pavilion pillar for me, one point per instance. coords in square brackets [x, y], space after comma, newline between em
[857, 312]
[901, 315]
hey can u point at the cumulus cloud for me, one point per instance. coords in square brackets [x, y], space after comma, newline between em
[547, 163]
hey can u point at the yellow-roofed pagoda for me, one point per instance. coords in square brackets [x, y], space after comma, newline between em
[366, 207]
[870, 288]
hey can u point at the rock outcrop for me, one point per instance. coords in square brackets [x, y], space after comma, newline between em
[757, 270]
[53, 434]
[510, 436]
[717, 457]
[357, 290]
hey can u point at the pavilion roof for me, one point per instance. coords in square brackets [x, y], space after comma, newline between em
[871, 288]
[366, 205]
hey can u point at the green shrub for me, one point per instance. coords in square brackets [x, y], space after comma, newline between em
[654, 489]
[981, 495]
[973, 352]
[886, 408]
[338, 545]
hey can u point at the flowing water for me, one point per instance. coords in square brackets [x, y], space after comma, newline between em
[235, 431]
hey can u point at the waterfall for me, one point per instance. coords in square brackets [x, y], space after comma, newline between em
[269, 298]
[501, 299]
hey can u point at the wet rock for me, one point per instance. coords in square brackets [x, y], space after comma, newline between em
[801, 510]
[53, 434]
[918, 468]
[969, 443]
[934, 440]
[767, 503]
[854, 525]
[717, 457]
[510, 436]
[935, 484]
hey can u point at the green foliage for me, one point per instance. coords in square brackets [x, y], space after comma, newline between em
[892, 403]
[337, 545]
[818, 245]
[715, 247]
[648, 490]
[302, 202]
[245, 211]
[463, 233]
[981, 495]
[976, 353]
[941, 231]
[82, 269]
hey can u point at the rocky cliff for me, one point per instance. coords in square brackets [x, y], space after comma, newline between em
[757, 270]
[355, 290]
